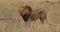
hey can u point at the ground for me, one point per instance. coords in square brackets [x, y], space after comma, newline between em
[9, 9]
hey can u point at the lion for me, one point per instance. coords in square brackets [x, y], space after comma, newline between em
[27, 13]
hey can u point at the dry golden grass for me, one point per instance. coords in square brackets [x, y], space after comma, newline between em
[10, 9]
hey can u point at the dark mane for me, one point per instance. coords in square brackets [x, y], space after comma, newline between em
[29, 8]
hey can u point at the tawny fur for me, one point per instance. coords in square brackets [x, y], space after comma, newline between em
[38, 14]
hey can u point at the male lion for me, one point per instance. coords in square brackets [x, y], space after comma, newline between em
[27, 13]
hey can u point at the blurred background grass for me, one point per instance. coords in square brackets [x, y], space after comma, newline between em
[9, 8]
